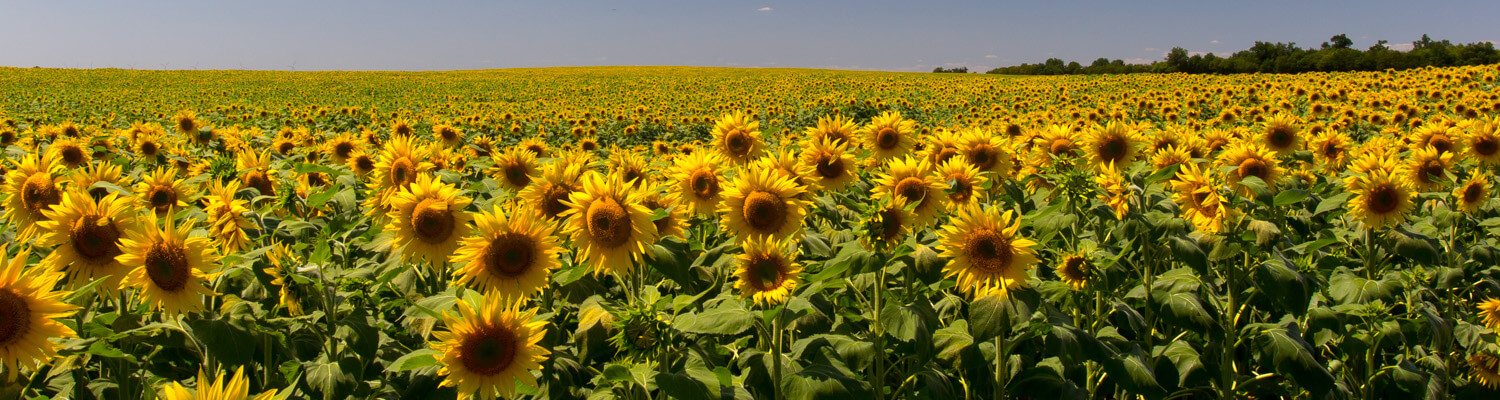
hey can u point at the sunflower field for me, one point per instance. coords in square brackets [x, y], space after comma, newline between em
[709, 233]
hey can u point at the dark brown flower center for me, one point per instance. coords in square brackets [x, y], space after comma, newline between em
[510, 254]
[187, 125]
[608, 223]
[1442, 143]
[285, 148]
[913, 189]
[260, 181]
[39, 193]
[1061, 146]
[830, 167]
[1429, 171]
[1383, 199]
[15, 316]
[989, 251]
[162, 197]
[488, 350]
[515, 174]
[432, 224]
[167, 266]
[890, 224]
[343, 149]
[589, 145]
[148, 148]
[705, 184]
[767, 271]
[95, 241]
[962, 188]
[1281, 137]
[72, 154]
[765, 212]
[1486, 145]
[1473, 193]
[1113, 149]
[552, 200]
[738, 142]
[402, 172]
[887, 138]
[1254, 167]
[364, 163]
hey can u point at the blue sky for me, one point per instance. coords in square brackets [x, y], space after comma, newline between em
[869, 35]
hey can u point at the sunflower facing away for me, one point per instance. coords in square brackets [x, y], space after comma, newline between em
[608, 224]
[762, 202]
[888, 136]
[283, 272]
[85, 178]
[737, 137]
[1116, 191]
[427, 219]
[237, 388]
[1380, 199]
[29, 309]
[30, 188]
[168, 267]
[1486, 368]
[700, 179]
[985, 251]
[912, 179]
[487, 352]
[767, 272]
[87, 236]
[512, 252]
[226, 216]
[1489, 311]
[657, 197]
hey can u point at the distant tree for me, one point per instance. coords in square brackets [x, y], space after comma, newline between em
[1341, 41]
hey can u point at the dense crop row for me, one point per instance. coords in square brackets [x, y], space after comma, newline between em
[713, 233]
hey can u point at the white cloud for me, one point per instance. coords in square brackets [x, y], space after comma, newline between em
[1138, 60]
[764, 9]
[991, 56]
[1215, 41]
[1150, 49]
[1401, 46]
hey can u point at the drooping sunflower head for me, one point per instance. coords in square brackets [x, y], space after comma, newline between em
[427, 219]
[159, 191]
[1251, 159]
[832, 165]
[1114, 142]
[912, 180]
[609, 224]
[1474, 193]
[836, 129]
[236, 388]
[1281, 133]
[1380, 199]
[1429, 169]
[965, 185]
[640, 331]
[167, 266]
[515, 168]
[29, 309]
[226, 216]
[737, 137]
[1115, 190]
[30, 189]
[1486, 369]
[767, 271]
[511, 252]
[888, 135]
[700, 180]
[490, 347]
[985, 252]
[762, 203]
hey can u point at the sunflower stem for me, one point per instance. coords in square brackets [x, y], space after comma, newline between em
[776, 351]
[1000, 373]
[877, 380]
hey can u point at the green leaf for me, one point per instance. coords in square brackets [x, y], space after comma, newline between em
[682, 386]
[424, 357]
[1132, 372]
[225, 342]
[1346, 288]
[952, 339]
[1289, 197]
[1416, 247]
[1330, 203]
[1286, 352]
[1186, 310]
[994, 315]
[672, 257]
[1188, 252]
[330, 379]
[725, 320]
[1287, 288]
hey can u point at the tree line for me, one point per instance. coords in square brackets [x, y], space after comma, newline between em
[1337, 54]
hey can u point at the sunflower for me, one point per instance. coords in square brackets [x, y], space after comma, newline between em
[402, 129]
[549, 193]
[237, 388]
[361, 163]
[991, 154]
[489, 352]
[1483, 141]
[737, 137]
[147, 146]
[767, 272]
[257, 172]
[1486, 368]
[1114, 143]
[836, 130]
[1116, 190]
[1075, 269]
[942, 145]
[888, 223]
[1437, 135]
[511, 253]
[658, 198]
[785, 163]
[1281, 134]
[1474, 193]
[514, 168]
[168, 267]
[343, 147]
[609, 224]
[1489, 310]
[1059, 142]
[1428, 169]
[187, 123]
[630, 167]
[448, 135]
[86, 178]
[158, 192]
[428, 219]
[535, 145]
[30, 189]
[965, 183]
[283, 273]
[69, 153]
[226, 217]
[700, 180]
[1331, 148]
[399, 165]
[985, 252]
[86, 235]
[832, 165]
[640, 330]
[1169, 156]
[1251, 159]
[762, 202]
[1379, 198]
[888, 136]
[912, 179]
[1198, 196]
[30, 308]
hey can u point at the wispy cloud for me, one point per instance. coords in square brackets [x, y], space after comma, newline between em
[991, 56]
[1215, 41]
[764, 9]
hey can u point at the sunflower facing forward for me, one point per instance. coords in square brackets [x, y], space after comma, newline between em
[514, 168]
[168, 266]
[161, 193]
[1281, 134]
[30, 189]
[237, 388]
[1251, 159]
[548, 194]
[737, 137]
[1113, 143]
[609, 224]
[832, 165]
[87, 237]
[700, 179]
[512, 252]
[1474, 193]
[912, 179]
[1380, 199]
[487, 352]
[29, 309]
[767, 272]
[428, 219]
[763, 202]
[985, 251]
[889, 136]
